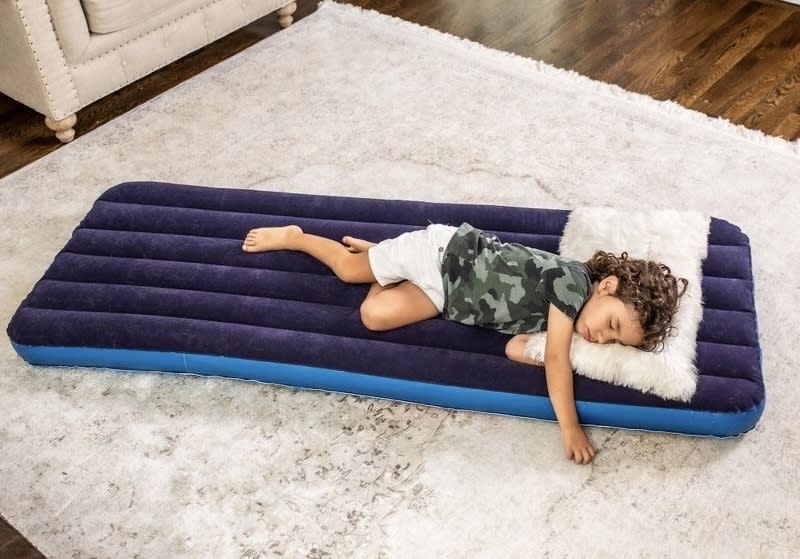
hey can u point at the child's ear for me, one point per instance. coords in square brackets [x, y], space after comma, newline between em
[608, 285]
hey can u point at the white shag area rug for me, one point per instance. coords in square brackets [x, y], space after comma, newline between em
[96, 463]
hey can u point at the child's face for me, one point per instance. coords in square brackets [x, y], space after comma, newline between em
[605, 319]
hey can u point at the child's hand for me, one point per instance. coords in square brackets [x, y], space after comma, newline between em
[576, 445]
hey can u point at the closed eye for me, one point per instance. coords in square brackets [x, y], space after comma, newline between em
[614, 327]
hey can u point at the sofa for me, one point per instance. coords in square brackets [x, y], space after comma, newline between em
[58, 56]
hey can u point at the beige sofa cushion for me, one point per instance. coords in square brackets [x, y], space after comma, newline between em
[107, 16]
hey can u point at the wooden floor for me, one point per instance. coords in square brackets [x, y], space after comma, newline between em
[13, 545]
[738, 59]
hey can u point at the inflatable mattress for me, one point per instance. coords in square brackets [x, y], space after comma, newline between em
[154, 278]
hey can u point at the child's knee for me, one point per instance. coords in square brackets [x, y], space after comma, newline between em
[374, 316]
[515, 348]
[512, 347]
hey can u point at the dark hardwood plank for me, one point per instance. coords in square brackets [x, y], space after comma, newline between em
[604, 59]
[789, 126]
[578, 36]
[649, 61]
[757, 75]
[13, 545]
[777, 105]
[722, 49]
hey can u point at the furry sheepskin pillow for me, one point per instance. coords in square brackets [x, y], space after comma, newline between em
[679, 240]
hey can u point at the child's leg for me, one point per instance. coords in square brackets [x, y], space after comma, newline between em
[348, 266]
[384, 308]
[396, 305]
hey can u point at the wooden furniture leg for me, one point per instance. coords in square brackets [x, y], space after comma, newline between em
[63, 128]
[285, 18]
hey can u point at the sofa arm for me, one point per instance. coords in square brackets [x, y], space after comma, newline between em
[33, 67]
[72, 28]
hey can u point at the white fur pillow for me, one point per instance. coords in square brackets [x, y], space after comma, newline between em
[679, 240]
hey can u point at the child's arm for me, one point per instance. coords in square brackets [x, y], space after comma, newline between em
[558, 370]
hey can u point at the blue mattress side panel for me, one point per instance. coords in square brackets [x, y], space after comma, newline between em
[688, 422]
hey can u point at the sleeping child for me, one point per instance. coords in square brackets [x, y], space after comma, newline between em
[469, 276]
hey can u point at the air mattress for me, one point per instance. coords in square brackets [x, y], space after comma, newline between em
[154, 278]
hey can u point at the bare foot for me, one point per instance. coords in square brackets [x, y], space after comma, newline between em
[356, 245]
[270, 238]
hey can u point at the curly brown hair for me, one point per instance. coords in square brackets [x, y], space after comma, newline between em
[649, 287]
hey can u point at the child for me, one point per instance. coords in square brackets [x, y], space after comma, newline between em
[469, 276]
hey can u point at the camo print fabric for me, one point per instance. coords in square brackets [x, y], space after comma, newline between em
[507, 286]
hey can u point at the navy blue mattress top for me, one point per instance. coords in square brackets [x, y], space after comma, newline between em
[159, 267]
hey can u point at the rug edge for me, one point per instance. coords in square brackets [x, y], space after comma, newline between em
[514, 62]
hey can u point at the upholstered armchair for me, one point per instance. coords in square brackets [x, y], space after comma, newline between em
[58, 56]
